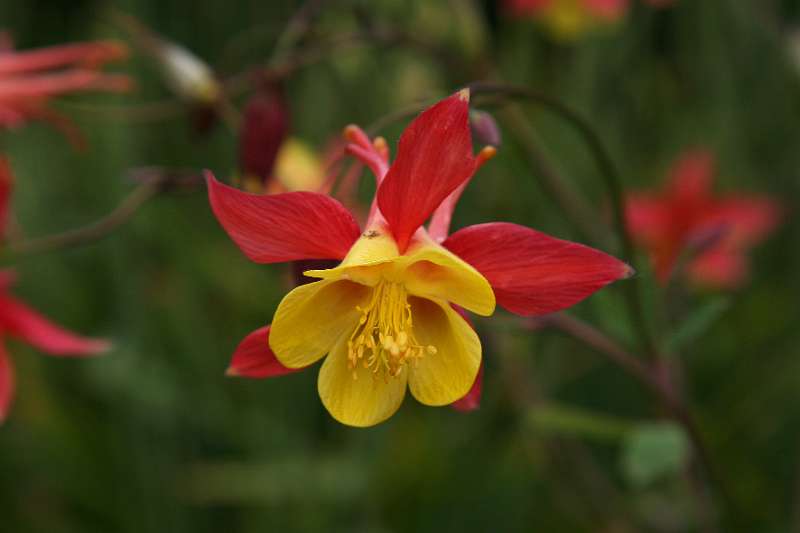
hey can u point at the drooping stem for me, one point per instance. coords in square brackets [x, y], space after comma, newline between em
[91, 232]
[604, 345]
[578, 210]
[659, 385]
[610, 176]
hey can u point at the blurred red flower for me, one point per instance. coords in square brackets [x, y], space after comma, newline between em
[29, 79]
[359, 313]
[17, 320]
[605, 9]
[608, 9]
[686, 218]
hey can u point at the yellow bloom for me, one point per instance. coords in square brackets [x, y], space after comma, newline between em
[385, 320]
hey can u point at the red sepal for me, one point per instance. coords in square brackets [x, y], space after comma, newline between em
[434, 157]
[19, 320]
[532, 273]
[253, 358]
[283, 227]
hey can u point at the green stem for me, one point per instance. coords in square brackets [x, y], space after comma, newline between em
[577, 209]
[610, 177]
[92, 232]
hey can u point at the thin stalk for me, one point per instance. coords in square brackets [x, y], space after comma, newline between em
[610, 176]
[89, 233]
[660, 387]
[577, 209]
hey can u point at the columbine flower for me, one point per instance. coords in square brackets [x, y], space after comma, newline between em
[568, 19]
[686, 217]
[17, 320]
[387, 316]
[29, 79]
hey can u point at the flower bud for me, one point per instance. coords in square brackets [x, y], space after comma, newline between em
[484, 128]
[186, 74]
[264, 130]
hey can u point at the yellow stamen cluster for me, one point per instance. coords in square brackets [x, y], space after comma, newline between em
[384, 339]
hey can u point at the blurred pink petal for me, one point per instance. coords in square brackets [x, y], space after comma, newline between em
[720, 268]
[686, 217]
[87, 55]
[19, 320]
[611, 10]
[750, 218]
[29, 79]
[691, 177]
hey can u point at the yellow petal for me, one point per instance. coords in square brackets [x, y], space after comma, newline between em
[447, 375]
[428, 270]
[311, 318]
[366, 261]
[432, 271]
[364, 401]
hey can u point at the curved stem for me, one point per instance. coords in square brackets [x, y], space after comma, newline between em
[610, 176]
[660, 387]
[92, 232]
[575, 206]
[613, 351]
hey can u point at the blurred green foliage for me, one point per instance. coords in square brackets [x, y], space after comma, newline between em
[153, 437]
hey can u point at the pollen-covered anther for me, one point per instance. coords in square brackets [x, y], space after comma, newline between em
[384, 341]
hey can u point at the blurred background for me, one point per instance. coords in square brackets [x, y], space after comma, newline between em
[153, 436]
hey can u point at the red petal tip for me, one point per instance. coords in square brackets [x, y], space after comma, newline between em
[463, 94]
[628, 271]
[232, 372]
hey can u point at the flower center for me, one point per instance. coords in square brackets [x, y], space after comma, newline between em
[384, 339]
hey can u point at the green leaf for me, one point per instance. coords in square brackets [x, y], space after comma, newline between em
[576, 422]
[654, 451]
[697, 323]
